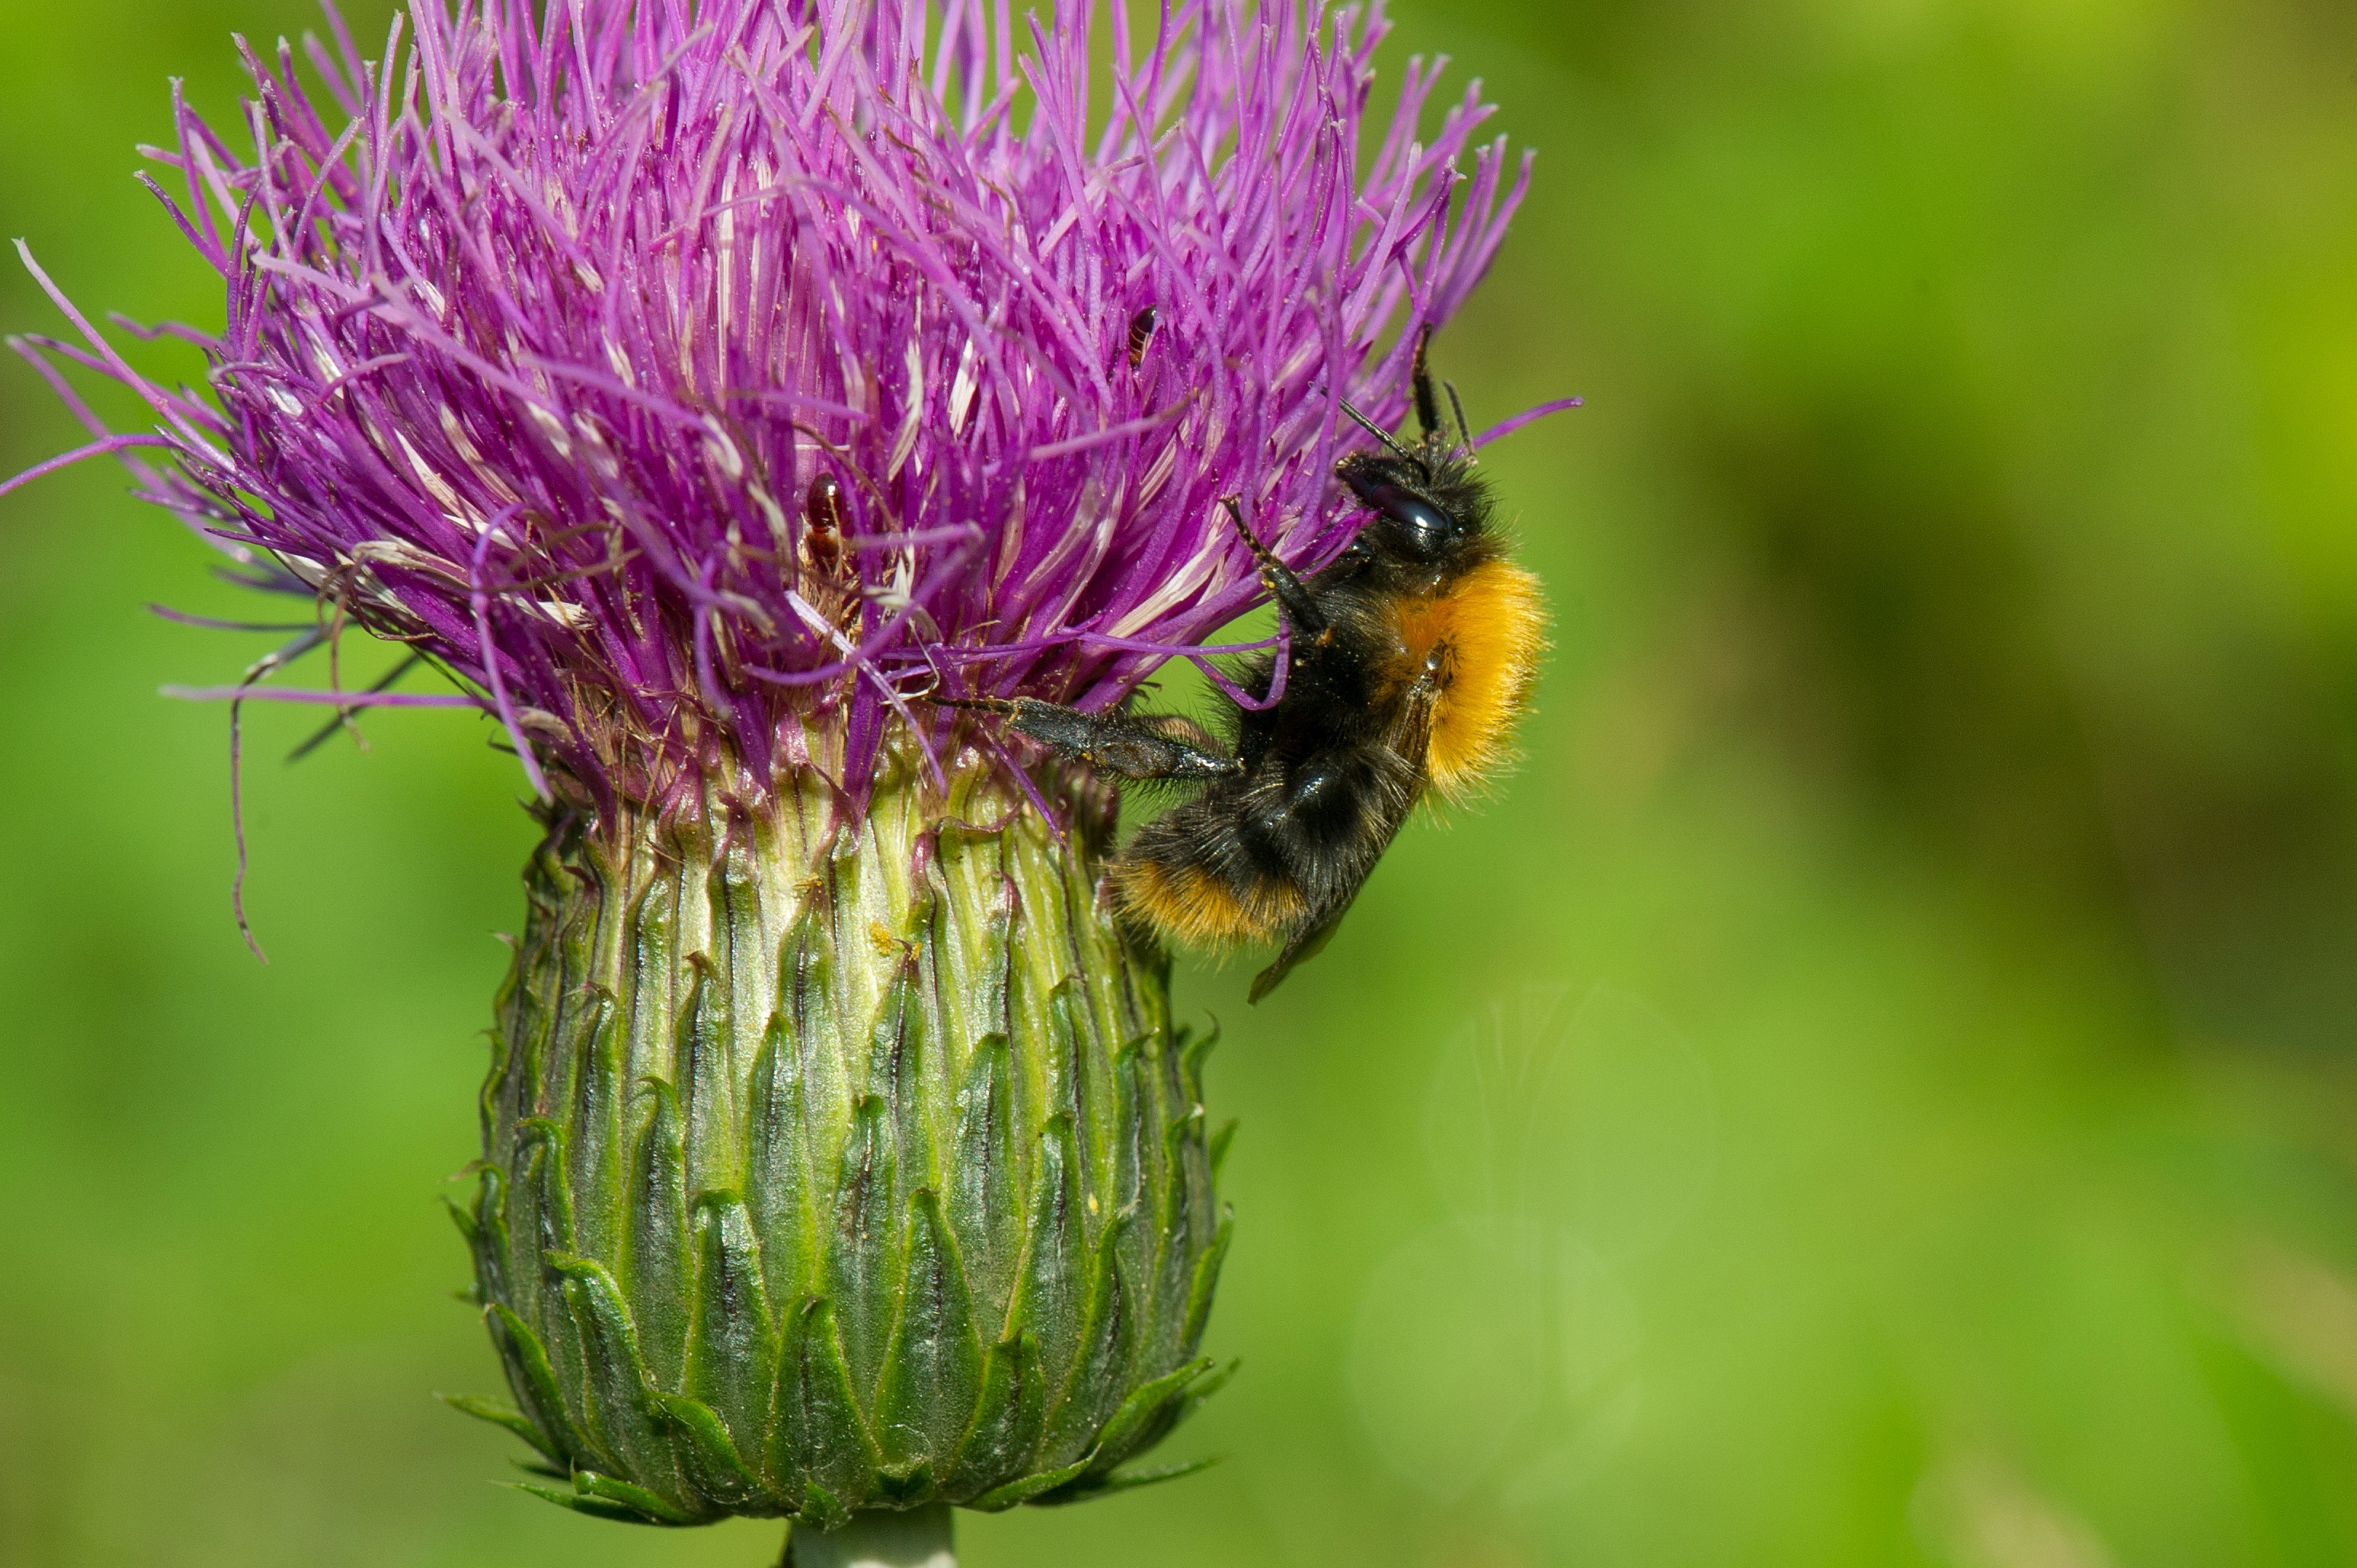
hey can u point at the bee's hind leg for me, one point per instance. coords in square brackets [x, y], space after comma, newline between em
[1301, 947]
[1137, 747]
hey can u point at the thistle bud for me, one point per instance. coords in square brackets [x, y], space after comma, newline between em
[838, 1162]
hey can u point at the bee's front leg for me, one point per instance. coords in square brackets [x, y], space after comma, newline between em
[1291, 593]
[1144, 747]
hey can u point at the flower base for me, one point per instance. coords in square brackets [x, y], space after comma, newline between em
[838, 1161]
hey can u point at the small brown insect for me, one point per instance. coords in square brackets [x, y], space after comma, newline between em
[821, 550]
[1141, 334]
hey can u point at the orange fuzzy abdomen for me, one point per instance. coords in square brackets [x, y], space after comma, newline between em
[1477, 647]
[1188, 901]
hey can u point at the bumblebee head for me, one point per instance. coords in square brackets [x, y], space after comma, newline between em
[1424, 512]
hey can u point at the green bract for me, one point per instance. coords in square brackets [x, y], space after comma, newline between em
[838, 1162]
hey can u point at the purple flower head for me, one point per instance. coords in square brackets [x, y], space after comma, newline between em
[674, 373]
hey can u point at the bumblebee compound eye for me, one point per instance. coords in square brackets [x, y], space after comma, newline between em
[1419, 528]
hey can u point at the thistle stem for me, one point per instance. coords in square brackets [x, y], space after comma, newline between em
[916, 1539]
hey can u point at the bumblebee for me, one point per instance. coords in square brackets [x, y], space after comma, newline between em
[1411, 658]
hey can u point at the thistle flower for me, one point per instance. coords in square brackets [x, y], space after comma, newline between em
[701, 385]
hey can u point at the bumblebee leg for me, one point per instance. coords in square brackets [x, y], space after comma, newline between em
[1299, 607]
[1155, 746]
[1428, 406]
[1302, 946]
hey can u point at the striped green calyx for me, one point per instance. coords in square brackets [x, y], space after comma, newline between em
[837, 1162]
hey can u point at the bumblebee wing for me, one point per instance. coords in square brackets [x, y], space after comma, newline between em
[1305, 945]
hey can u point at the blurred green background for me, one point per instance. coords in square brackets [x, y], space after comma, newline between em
[1877, 1089]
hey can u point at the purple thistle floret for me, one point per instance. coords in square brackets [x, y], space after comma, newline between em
[543, 340]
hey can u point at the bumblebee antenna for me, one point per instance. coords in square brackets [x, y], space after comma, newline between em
[1380, 434]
